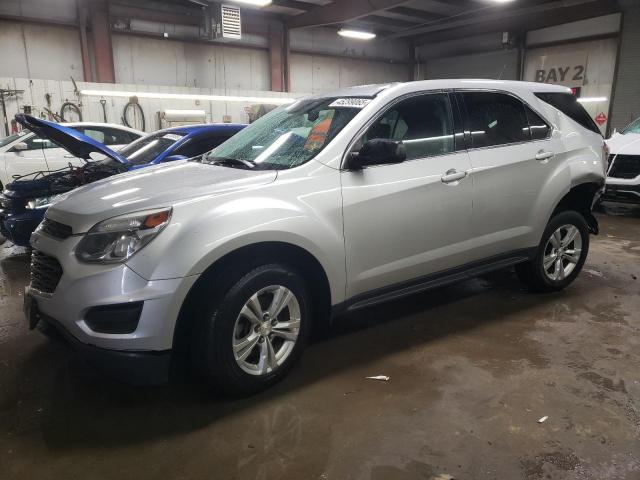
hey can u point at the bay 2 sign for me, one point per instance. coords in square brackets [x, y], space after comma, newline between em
[561, 69]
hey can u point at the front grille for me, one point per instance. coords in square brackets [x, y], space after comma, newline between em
[624, 166]
[46, 272]
[55, 229]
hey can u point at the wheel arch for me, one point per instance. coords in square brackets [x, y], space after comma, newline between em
[580, 198]
[243, 259]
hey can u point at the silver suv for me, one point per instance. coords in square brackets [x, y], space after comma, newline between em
[327, 205]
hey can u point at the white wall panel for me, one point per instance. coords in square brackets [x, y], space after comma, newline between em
[165, 62]
[319, 73]
[38, 51]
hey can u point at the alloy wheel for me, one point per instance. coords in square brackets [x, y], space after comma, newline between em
[266, 330]
[562, 252]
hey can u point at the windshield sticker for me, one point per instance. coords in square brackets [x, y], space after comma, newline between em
[350, 102]
[172, 136]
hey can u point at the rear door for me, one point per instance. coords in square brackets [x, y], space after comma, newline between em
[512, 153]
[405, 221]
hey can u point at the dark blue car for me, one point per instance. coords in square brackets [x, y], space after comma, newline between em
[24, 202]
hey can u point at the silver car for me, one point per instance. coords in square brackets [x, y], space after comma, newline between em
[327, 205]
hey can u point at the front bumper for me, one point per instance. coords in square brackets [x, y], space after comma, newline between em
[626, 191]
[84, 286]
[18, 228]
[132, 367]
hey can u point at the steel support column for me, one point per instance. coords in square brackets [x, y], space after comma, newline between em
[84, 43]
[277, 57]
[101, 35]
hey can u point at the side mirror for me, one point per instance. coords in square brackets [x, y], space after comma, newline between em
[20, 147]
[173, 158]
[378, 151]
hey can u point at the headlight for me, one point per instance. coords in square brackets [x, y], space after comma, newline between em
[117, 239]
[43, 202]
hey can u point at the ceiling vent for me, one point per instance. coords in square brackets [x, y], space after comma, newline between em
[227, 24]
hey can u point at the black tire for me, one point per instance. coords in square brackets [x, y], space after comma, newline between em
[533, 273]
[212, 353]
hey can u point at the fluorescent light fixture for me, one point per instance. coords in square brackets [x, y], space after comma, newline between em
[257, 3]
[187, 96]
[360, 35]
[592, 99]
[195, 113]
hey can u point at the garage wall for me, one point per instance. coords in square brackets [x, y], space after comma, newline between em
[63, 90]
[626, 101]
[319, 73]
[326, 41]
[502, 64]
[172, 63]
[598, 57]
[51, 10]
[39, 51]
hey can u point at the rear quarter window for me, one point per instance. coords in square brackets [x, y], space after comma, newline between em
[569, 105]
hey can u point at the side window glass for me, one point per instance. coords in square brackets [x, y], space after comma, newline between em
[495, 119]
[539, 128]
[118, 137]
[194, 148]
[95, 134]
[36, 143]
[423, 123]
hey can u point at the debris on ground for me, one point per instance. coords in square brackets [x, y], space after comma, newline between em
[382, 378]
[543, 419]
[595, 273]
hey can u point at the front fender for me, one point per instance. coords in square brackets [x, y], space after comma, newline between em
[200, 233]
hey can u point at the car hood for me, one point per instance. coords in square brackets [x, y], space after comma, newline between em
[161, 185]
[627, 144]
[74, 142]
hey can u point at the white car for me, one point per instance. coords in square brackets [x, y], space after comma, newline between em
[25, 153]
[623, 174]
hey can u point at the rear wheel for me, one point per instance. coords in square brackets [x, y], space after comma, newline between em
[560, 255]
[253, 333]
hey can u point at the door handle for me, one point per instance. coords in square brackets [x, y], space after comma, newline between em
[453, 175]
[542, 155]
[69, 156]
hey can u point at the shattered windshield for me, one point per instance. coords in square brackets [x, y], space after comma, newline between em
[634, 127]
[286, 137]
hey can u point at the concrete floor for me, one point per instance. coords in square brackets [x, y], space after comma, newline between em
[473, 367]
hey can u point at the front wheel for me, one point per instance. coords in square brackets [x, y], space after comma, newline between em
[252, 334]
[560, 255]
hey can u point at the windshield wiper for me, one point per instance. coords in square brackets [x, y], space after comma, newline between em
[231, 162]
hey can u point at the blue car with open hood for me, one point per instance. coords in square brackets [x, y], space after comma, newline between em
[24, 202]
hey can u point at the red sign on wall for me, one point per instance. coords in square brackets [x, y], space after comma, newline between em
[601, 118]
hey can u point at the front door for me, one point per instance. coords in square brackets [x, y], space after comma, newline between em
[408, 220]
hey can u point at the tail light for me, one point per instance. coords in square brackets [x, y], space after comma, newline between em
[605, 157]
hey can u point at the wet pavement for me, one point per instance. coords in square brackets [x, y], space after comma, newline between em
[473, 368]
